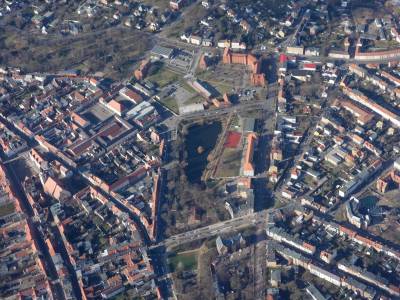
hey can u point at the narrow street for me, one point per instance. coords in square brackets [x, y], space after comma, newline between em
[36, 235]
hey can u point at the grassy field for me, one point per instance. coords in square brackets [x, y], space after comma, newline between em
[186, 260]
[386, 44]
[223, 79]
[390, 198]
[162, 76]
[229, 165]
[222, 87]
[195, 99]
[170, 102]
[186, 86]
[279, 204]
[6, 209]
[340, 214]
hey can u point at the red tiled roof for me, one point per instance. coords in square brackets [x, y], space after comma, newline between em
[78, 119]
[248, 161]
[131, 95]
[116, 106]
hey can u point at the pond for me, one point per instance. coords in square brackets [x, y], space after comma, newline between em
[200, 141]
[367, 203]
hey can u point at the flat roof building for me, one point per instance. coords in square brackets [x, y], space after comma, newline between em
[161, 51]
[314, 293]
[191, 108]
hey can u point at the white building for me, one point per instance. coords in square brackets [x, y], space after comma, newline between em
[191, 108]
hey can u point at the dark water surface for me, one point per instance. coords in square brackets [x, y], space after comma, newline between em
[204, 136]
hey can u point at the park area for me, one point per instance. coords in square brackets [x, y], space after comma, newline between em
[186, 260]
[191, 271]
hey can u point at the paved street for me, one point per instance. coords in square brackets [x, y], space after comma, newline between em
[253, 219]
[259, 220]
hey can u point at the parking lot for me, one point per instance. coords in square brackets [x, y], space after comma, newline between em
[182, 60]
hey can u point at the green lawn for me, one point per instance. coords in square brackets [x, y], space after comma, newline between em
[170, 102]
[194, 99]
[279, 204]
[385, 44]
[186, 86]
[222, 87]
[340, 214]
[229, 165]
[162, 77]
[7, 209]
[186, 260]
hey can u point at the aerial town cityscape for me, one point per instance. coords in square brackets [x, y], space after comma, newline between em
[199, 149]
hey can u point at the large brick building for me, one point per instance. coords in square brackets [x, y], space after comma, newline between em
[256, 77]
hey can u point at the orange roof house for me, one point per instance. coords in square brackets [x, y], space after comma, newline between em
[155, 197]
[203, 64]
[257, 79]
[347, 231]
[53, 188]
[78, 96]
[248, 166]
[226, 98]
[131, 95]
[50, 247]
[36, 157]
[116, 107]
[79, 120]
[93, 81]
[382, 184]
